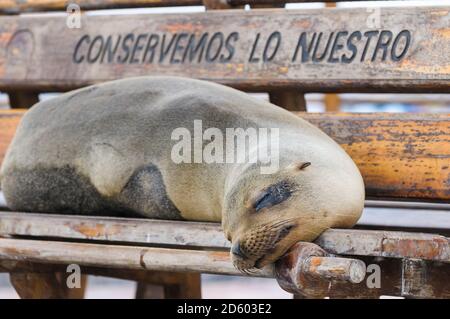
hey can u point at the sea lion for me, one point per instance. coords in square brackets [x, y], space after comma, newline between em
[107, 148]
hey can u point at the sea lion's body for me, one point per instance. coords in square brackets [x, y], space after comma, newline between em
[107, 149]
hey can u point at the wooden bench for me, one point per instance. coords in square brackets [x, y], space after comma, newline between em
[401, 156]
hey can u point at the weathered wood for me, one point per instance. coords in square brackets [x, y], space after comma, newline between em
[35, 286]
[399, 155]
[386, 276]
[151, 284]
[438, 276]
[149, 291]
[416, 279]
[182, 286]
[141, 275]
[282, 2]
[386, 244]
[144, 231]
[22, 99]
[290, 100]
[188, 286]
[120, 258]
[415, 57]
[9, 120]
[16, 6]
[306, 270]
[50, 285]
[210, 235]
[216, 4]
[151, 258]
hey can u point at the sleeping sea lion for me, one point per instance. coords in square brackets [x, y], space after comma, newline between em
[109, 149]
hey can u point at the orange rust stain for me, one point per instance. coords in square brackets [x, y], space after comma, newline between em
[444, 32]
[315, 261]
[303, 23]
[412, 66]
[220, 255]
[9, 120]
[440, 13]
[97, 230]
[337, 271]
[239, 67]
[5, 37]
[283, 69]
[413, 248]
[90, 231]
[182, 27]
[397, 158]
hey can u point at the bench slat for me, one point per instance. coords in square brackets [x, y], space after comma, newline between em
[123, 257]
[195, 234]
[16, 6]
[253, 50]
[120, 261]
[399, 155]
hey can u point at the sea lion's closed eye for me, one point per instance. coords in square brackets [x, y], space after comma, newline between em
[273, 195]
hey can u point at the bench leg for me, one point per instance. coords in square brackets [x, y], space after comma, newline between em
[290, 100]
[170, 285]
[22, 99]
[45, 286]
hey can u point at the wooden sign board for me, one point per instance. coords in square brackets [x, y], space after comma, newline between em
[388, 49]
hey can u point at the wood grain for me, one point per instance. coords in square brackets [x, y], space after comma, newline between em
[218, 262]
[182, 286]
[122, 257]
[45, 286]
[16, 6]
[210, 235]
[28, 59]
[399, 155]
[9, 120]
[393, 283]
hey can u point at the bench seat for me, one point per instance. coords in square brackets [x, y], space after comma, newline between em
[100, 245]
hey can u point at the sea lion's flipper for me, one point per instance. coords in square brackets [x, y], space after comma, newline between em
[145, 194]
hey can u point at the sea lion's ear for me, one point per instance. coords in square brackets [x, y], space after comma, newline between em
[304, 165]
[272, 195]
[299, 166]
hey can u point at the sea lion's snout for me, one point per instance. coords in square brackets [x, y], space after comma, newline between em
[237, 252]
[259, 245]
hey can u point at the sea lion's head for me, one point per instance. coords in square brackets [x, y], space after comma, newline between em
[266, 214]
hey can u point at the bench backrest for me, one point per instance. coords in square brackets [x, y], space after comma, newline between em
[392, 49]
